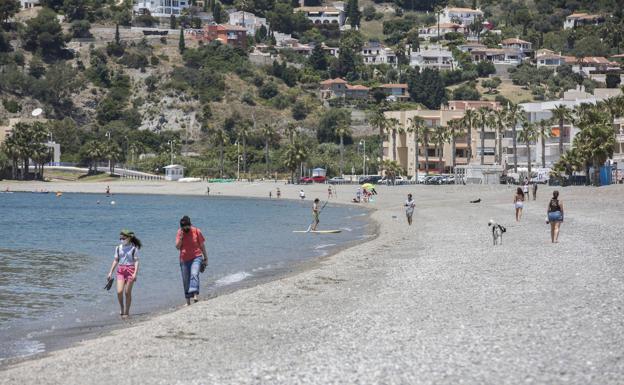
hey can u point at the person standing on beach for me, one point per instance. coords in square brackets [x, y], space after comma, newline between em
[126, 260]
[525, 188]
[270, 194]
[107, 190]
[279, 193]
[409, 208]
[329, 192]
[555, 216]
[534, 190]
[519, 203]
[301, 194]
[316, 211]
[193, 257]
[207, 190]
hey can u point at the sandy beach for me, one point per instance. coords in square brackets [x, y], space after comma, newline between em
[428, 304]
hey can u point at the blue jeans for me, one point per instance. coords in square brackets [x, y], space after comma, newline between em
[190, 276]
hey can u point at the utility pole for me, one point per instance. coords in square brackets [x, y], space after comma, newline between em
[363, 144]
[108, 135]
[237, 162]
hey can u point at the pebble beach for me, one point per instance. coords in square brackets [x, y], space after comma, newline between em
[434, 303]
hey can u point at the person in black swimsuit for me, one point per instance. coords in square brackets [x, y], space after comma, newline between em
[555, 216]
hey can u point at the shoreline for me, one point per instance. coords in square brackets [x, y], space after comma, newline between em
[76, 335]
[431, 303]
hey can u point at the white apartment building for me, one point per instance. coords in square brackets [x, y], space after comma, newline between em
[433, 57]
[432, 30]
[248, 20]
[376, 53]
[160, 8]
[463, 16]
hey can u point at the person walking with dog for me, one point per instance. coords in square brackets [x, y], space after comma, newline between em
[409, 208]
[193, 257]
[519, 203]
[126, 260]
[555, 216]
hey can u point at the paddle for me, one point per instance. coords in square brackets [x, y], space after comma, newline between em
[310, 226]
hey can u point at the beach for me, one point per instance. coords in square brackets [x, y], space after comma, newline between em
[432, 303]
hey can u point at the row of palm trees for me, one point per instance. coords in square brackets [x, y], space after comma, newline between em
[591, 147]
[26, 143]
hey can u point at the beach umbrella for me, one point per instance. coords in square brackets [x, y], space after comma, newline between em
[368, 186]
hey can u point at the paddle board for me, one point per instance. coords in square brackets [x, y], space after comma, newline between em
[318, 231]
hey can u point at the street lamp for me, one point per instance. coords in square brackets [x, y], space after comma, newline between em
[237, 161]
[363, 144]
[108, 135]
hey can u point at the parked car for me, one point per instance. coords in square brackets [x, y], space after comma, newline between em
[420, 180]
[448, 179]
[434, 179]
[312, 179]
[506, 179]
[397, 180]
[337, 180]
[306, 180]
[374, 179]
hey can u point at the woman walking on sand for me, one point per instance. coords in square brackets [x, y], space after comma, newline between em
[409, 208]
[519, 203]
[126, 260]
[193, 257]
[555, 216]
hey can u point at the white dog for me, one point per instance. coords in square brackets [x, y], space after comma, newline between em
[497, 232]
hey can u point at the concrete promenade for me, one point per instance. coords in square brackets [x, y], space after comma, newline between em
[434, 303]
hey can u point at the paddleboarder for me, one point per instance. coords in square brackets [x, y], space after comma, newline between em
[316, 211]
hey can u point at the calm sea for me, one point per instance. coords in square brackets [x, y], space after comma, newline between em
[55, 253]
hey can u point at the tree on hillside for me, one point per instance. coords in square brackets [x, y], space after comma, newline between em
[317, 59]
[491, 84]
[353, 13]
[75, 9]
[426, 87]
[8, 8]
[181, 45]
[173, 22]
[44, 33]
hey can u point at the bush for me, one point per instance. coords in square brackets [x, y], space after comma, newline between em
[81, 29]
[268, 90]
[154, 60]
[368, 12]
[134, 60]
[466, 92]
[145, 21]
[485, 68]
[11, 106]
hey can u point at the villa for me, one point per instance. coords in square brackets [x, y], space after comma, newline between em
[581, 18]
[160, 8]
[523, 46]
[340, 88]
[444, 28]
[549, 59]
[463, 16]
[324, 15]
[248, 20]
[25, 4]
[227, 34]
[376, 53]
[497, 55]
[435, 57]
[395, 91]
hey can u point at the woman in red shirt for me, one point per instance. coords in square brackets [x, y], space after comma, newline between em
[193, 257]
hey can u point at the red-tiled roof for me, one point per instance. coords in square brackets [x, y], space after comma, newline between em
[514, 41]
[357, 87]
[334, 81]
[401, 85]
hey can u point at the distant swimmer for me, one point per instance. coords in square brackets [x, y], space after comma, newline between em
[126, 259]
[316, 211]
[108, 190]
[279, 193]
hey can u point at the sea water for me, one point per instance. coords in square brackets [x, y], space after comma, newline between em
[55, 253]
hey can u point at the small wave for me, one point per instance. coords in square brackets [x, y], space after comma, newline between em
[21, 348]
[324, 246]
[346, 229]
[232, 278]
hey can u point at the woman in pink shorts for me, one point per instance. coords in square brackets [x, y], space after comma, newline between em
[127, 261]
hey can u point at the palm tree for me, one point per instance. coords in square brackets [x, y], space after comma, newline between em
[93, 152]
[376, 118]
[528, 134]
[545, 131]
[342, 130]
[470, 121]
[113, 154]
[135, 148]
[220, 138]
[415, 127]
[484, 120]
[294, 156]
[425, 133]
[290, 131]
[439, 136]
[561, 114]
[515, 115]
[595, 140]
[268, 133]
[500, 123]
[393, 128]
[243, 133]
[455, 131]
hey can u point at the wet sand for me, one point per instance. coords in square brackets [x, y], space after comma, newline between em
[431, 303]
